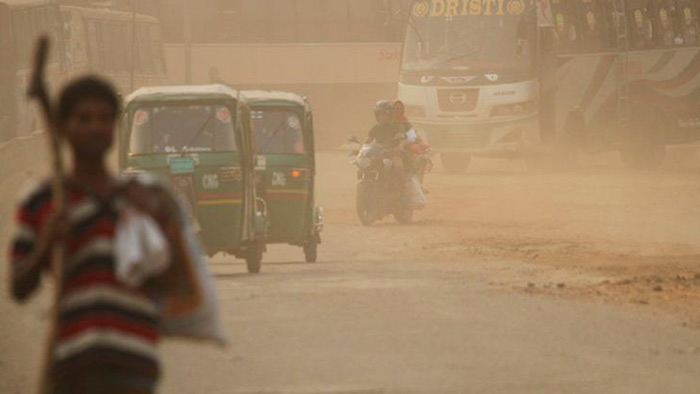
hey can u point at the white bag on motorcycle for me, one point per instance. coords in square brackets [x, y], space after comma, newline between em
[418, 199]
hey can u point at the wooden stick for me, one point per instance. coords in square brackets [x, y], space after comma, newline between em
[39, 92]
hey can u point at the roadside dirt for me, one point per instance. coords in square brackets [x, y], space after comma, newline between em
[598, 232]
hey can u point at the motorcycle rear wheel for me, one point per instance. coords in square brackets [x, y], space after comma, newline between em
[363, 202]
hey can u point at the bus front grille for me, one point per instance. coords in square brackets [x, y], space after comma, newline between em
[458, 100]
[442, 139]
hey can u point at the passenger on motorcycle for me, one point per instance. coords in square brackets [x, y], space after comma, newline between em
[414, 152]
[413, 146]
[388, 134]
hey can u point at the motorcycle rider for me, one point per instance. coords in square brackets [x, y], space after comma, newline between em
[385, 132]
[389, 134]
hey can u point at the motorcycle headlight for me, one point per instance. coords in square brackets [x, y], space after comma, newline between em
[364, 162]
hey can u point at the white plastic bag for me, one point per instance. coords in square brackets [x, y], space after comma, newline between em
[411, 136]
[418, 199]
[194, 312]
[141, 250]
[189, 306]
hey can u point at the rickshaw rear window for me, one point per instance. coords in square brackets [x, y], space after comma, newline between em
[278, 132]
[185, 128]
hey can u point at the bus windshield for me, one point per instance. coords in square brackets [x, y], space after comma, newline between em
[179, 129]
[471, 44]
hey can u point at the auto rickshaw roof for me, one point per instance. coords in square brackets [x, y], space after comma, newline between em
[183, 93]
[271, 97]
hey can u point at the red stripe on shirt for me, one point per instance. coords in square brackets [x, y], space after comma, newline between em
[24, 217]
[102, 228]
[100, 277]
[97, 322]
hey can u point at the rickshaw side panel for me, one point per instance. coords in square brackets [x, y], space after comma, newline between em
[288, 180]
[288, 190]
[216, 198]
[219, 187]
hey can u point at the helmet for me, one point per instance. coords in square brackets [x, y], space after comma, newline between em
[383, 106]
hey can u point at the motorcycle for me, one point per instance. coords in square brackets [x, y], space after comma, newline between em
[382, 189]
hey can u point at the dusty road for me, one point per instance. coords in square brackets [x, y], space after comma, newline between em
[586, 282]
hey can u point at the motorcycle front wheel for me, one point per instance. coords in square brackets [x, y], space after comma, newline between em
[364, 204]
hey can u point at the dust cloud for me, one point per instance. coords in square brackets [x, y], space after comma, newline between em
[536, 200]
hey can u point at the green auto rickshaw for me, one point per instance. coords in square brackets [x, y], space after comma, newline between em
[199, 140]
[283, 131]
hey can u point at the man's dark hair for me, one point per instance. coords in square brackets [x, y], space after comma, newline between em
[86, 88]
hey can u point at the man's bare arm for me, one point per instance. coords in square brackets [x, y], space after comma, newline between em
[26, 273]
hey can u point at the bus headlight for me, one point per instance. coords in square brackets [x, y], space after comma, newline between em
[514, 109]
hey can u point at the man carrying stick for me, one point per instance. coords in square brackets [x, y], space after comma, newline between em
[106, 332]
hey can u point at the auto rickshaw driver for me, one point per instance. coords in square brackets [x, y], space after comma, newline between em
[278, 133]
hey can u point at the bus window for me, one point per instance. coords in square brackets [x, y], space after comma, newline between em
[687, 22]
[596, 21]
[641, 25]
[665, 34]
[567, 35]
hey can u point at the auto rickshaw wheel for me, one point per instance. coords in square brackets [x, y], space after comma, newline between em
[254, 257]
[311, 251]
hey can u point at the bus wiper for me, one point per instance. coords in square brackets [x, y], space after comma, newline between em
[459, 57]
[199, 133]
[412, 25]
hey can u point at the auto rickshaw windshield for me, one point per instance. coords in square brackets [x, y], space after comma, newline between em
[278, 132]
[179, 129]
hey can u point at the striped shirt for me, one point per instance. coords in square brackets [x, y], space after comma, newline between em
[102, 323]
